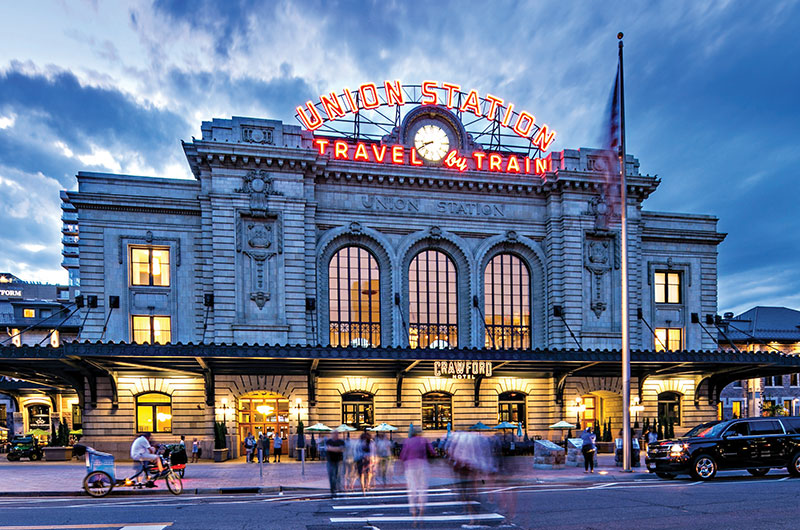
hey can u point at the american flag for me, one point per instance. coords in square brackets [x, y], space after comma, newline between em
[610, 160]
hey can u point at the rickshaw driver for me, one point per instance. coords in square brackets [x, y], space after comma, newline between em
[141, 451]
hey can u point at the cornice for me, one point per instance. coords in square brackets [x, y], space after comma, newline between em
[680, 235]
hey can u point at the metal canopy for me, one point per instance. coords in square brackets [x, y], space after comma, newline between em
[76, 365]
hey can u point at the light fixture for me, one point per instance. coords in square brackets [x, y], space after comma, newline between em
[266, 410]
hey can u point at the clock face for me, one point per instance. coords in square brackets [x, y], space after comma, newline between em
[432, 142]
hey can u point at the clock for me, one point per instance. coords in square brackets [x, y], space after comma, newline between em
[432, 142]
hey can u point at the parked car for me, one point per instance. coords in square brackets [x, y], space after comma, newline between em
[754, 444]
[24, 447]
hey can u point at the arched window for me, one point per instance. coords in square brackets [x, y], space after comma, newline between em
[669, 406]
[358, 410]
[437, 410]
[433, 301]
[511, 408]
[507, 303]
[354, 298]
[153, 412]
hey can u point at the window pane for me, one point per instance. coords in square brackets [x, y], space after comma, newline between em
[161, 330]
[141, 329]
[153, 397]
[144, 418]
[354, 298]
[660, 287]
[161, 267]
[674, 339]
[661, 339]
[674, 285]
[140, 266]
[433, 318]
[506, 303]
[163, 418]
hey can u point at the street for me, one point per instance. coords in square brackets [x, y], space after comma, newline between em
[727, 502]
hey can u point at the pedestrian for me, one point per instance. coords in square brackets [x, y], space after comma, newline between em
[414, 456]
[195, 449]
[260, 446]
[249, 445]
[383, 454]
[364, 461]
[652, 437]
[182, 443]
[276, 447]
[267, 442]
[334, 449]
[588, 449]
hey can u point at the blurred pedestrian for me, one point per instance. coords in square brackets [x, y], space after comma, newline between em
[363, 461]
[262, 442]
[652, 437]
[195, 450]
[470, 454]
[414, 456]
[334, 449]
[588, 449]
[383, 455]
[249, 445]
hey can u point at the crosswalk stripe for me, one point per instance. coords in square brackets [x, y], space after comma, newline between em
[378, 493]
[397, 505]
[424, 518]
[143, 527]
[402, 495]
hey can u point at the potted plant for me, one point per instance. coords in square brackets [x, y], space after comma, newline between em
[59, 449]
[220, 442]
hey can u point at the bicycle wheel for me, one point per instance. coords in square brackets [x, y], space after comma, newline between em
[174, 483]
[98, 484]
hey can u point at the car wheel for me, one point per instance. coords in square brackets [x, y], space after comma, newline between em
[758, 472]
[661, 474]
[35, 456]
[794, 465]
[704, 467]
[13, 457]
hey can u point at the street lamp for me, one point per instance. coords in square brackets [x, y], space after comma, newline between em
[636, 408]
[580, 408]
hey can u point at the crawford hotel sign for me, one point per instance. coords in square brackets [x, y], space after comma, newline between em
[440, 131]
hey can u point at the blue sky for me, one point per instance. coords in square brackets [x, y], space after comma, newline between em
[711, 98]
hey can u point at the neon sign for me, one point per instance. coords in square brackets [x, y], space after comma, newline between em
[401, 155]
[335, 105]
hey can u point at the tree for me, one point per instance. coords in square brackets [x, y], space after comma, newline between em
[661, 428]
[772, 409]
[220, 433]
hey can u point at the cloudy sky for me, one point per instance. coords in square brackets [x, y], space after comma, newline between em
[711, 98]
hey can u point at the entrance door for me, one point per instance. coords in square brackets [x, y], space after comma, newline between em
[265, 412]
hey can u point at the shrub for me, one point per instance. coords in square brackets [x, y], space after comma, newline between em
[220, 432]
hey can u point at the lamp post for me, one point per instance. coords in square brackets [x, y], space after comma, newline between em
[301, 439]
[580, 408]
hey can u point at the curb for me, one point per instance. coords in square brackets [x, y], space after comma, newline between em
[195, 491]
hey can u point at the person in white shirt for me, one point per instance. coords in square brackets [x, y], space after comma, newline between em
[142, 451]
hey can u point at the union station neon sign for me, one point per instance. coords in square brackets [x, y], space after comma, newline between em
[337, 105]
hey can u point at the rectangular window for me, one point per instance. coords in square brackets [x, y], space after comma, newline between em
[667, 287]
[29, 313]
[775, 380]
[3, 420]
[149, 329]
[669, 339]
[150, 266]
[736, 409]
[794, 380]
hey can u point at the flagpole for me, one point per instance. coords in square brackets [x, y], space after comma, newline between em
[626, 359]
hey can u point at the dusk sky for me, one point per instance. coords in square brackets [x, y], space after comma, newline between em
[711, 98]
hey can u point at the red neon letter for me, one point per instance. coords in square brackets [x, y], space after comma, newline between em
[478, 156]
[525, 130]
[379, 156]
[414, 160]
[315, 120]
[450, 89]
[544, 138]
[394, 94]
[340, 149]
[509, 113]
[527, 165]
[348, 96]
[365, 102]
[542, 165]
[494, 162]
[513, 165]
[361, 152]
[495, 101]
[397, 154]
[333, 107]
[428, 95]
[321, 144]
[472, 103]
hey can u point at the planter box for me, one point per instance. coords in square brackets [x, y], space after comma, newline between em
[57, 454]
[605, 447]
[220, 455]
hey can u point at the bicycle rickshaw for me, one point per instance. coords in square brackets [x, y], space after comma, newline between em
[101, 478]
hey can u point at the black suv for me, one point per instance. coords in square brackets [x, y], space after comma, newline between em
[754, 444]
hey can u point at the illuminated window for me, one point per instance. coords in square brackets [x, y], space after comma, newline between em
[507, 303]
[511, 407]
[357, 410]
[437, 410]
[149, 329]
[669, 339]
[736, 409]
[669, 406]
[55, 338]
[433, 307]
[150, 266]
[668, 287]
[29, 313]
[153, 412]
[354, 298]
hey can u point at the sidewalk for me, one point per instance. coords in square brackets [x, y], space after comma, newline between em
[235, 476]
